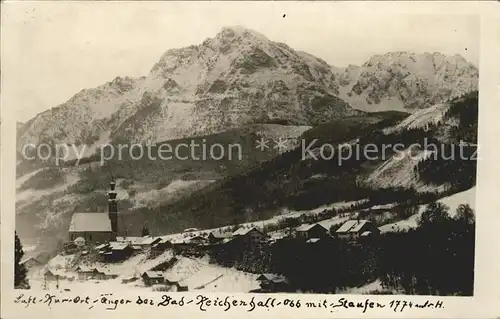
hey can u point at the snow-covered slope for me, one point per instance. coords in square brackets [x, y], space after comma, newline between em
[398, 171]
[452, 201]
[195, 273]
[422, 118]
[198, 274]
[405, 80]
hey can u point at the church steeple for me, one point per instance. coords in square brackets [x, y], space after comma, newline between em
[113, 207]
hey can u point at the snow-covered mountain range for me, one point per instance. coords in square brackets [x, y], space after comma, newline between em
[405, 80]
[240, 77]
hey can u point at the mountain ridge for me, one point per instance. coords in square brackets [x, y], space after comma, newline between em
[229, 80]
[239, 77]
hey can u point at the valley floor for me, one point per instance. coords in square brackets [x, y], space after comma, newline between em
[195, 273]
[198, 274]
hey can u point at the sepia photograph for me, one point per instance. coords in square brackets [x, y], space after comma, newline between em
[223, 148]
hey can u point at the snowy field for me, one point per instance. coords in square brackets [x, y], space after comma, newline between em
[452, 201]
[195, 273]
[198, 274]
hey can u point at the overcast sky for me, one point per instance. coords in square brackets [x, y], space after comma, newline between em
[51, 50]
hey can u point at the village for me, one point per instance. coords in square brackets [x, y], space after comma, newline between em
[94, 252]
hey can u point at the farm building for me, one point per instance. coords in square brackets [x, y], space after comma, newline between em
[31, 262]
[53, 275]
[85, 273]
[217, 237]
[250, 235]
[116, 251]
[152, 278]
[354, 229]
[307, 231]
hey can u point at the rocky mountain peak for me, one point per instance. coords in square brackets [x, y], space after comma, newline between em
[240, 77]
[407, 80]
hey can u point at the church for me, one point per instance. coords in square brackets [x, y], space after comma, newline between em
[97, 228]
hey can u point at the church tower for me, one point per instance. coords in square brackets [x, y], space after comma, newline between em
[113, 208]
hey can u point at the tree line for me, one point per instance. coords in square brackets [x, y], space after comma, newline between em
[436, 258]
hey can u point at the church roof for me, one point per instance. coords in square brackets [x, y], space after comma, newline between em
[84, 222]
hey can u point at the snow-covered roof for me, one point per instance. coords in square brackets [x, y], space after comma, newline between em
[118, 245]
[307, 227]
[243, 231]
[153, 274]
[352, 226]
[219, 234]
[106, 271]
[28, 259]
[85, 269]
[85, 222]
[366, 233]
[304, 227]
[130, 239]
[101, 246]
[359, 225]
[149, 240]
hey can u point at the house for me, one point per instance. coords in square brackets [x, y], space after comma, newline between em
[272, 282]
[188, 244]
[117, 251]
[31, 263]
[96, 227]
[141, 243]
[105, 274]
[218, 236]
[152, 278]
[353, 229]
[52, 275]
[133, 240]
[175, 286]
[197, 240]
[250, 235]
[86, 273]
[307, 231]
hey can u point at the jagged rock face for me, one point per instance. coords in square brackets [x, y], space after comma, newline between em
[401, 80]
[236, 78]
